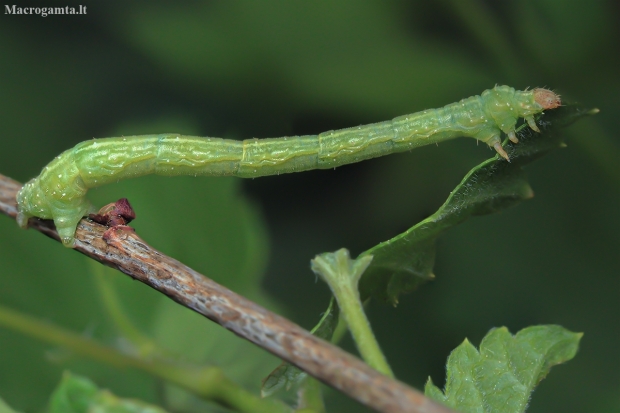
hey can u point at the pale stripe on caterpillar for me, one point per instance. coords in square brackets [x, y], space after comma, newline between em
[59, 192]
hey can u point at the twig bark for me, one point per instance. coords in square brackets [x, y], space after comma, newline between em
[127, 253]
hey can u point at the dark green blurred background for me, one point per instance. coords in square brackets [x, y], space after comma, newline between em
[242, 69]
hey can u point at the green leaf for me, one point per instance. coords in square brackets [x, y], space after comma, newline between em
[77, 394]
[404, 262]
[502, 375]
[5, 408]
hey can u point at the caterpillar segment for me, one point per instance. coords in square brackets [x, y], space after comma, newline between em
[59, 192]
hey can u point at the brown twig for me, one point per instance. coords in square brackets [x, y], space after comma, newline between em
[129, 254]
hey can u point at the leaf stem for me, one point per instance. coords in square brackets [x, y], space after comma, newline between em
[310, 397]
[206, 381]
[342, 274]
[145, 346]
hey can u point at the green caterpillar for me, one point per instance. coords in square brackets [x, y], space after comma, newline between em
[59, 192]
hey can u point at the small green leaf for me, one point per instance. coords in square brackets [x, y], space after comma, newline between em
[402, 263]
[285, 376]
[77, 394]
[73, 394]
[502, 375]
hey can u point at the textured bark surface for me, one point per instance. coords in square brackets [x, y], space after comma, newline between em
[125, 251]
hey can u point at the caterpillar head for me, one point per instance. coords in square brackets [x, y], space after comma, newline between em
[505, 105]
[532, 102]
[546, 98]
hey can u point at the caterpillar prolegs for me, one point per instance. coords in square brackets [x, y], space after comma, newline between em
[59, 192]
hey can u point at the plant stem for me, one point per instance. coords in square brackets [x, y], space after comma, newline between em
[208, 382]
[342, 274]
[283, 338]
[310, 397]
[146, 347]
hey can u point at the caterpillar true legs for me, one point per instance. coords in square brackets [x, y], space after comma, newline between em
[59, 192]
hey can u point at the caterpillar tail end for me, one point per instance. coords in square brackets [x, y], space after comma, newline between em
[67, 236]
[500, 150]
[66, 225]
[22, 220]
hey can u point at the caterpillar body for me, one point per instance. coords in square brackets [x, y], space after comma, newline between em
[59, 192]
